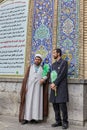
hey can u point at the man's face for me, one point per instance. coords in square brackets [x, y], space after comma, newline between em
[37, 61]
[55, 54]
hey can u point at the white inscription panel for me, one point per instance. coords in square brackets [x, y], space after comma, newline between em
[13, 33]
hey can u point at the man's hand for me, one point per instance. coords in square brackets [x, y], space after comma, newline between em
[53, 87]
[42, 81]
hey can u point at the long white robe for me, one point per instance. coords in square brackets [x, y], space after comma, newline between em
[34, 96]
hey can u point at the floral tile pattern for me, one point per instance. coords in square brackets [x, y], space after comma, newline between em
[68, 34]
[42, 29]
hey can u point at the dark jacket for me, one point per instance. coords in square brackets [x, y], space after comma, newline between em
[61, 67]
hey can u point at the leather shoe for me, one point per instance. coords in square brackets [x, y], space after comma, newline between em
[24, 122]
[65, 125]
[56, 124]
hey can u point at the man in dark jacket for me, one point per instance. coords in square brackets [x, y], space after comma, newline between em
[59, 89]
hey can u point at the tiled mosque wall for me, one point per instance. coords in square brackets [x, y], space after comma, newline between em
[68, 34]
[42, 29]
[57, 23]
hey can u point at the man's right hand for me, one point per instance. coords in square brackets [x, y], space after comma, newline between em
[53, 87]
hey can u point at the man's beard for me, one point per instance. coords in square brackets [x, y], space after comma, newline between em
[55, 57]
[37, 64]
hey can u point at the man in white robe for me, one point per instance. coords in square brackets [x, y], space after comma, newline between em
[33, 109]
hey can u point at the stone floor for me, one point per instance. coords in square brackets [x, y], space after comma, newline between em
[11, 123]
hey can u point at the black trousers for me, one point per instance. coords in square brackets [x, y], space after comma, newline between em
[63, 108]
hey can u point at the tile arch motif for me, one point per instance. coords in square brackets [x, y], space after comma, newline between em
[68, 34]
[42, 29]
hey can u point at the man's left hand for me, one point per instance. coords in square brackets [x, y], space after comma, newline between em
[42, 81]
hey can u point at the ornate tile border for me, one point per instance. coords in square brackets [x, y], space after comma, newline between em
[42, 29]
[68, 34]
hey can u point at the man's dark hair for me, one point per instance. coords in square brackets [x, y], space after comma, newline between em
[58, 51]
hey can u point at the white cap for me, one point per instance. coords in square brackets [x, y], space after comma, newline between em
[39, 55]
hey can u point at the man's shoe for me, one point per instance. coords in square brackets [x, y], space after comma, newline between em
[34, 121]
[56, 124]
[65, 125]
[24, 122]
